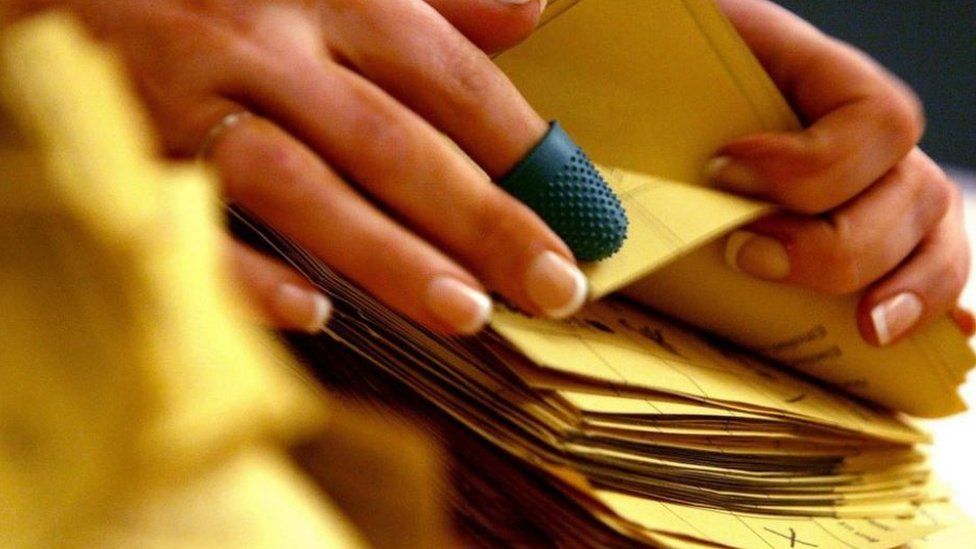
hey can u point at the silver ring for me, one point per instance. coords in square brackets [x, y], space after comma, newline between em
[219, 129]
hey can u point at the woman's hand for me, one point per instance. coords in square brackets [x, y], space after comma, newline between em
[344, 152]
[866, 209]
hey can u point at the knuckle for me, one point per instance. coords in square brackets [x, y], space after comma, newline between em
[506, 235]
[389, 140]
[844, 274]
[901, 112]
[382, 138]
[809, 196]
[841, 268]
[497, 228]
[282, 159]
[934, 193]
[954, 273]
[941, 193]
[809, 186]
[269, 167]
[823, 150]
[470, 72]
[470, 77]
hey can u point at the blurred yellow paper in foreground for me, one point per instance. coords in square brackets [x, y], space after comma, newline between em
[137, 405]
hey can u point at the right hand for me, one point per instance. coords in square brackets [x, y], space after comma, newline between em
[344, 153]
[865, 210]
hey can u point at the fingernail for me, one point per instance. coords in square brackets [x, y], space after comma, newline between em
[725, 172]
[965, 320]
[757, 255]
[555, 285]
[895, 316]
[303, 308]
[458, 305]
[542, 3]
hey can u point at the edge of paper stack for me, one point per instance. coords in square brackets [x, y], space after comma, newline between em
[652, 433]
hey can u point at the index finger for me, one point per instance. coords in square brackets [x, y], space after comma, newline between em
[443, 77]
[438, 74]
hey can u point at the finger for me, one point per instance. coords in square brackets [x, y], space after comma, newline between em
[406, 165]
[278, 179]
[851, 247]
[445, 79]
[862, 119]
[285, 299]
[926, 287]
[965, 320]
[492, 25]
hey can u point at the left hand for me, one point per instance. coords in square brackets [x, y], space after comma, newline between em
[866, 208]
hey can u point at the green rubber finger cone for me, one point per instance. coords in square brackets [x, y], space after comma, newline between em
[560, 184]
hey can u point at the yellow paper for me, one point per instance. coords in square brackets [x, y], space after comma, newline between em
[620, 346]
[958, 529]
[131, 387]
[812, 333]
[667, 220]
[655, 87]
[750, 531]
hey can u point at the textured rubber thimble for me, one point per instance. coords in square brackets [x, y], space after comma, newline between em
[560, 184]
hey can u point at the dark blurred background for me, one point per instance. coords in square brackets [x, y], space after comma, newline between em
[931, 44]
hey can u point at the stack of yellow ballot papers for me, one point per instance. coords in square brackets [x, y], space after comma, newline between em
[139, 409]
[623, 425]
[644, 430]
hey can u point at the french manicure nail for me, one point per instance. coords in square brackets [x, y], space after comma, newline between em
[542, 3]
[725, 172]
[757, 255]
[895, 316]
[309, 310]
[555, 285]
[458, 305]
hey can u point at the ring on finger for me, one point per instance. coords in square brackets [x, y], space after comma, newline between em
[219, 129]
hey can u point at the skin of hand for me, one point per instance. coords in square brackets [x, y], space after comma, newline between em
[865, 209]
[350, 98]
[344, 152]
